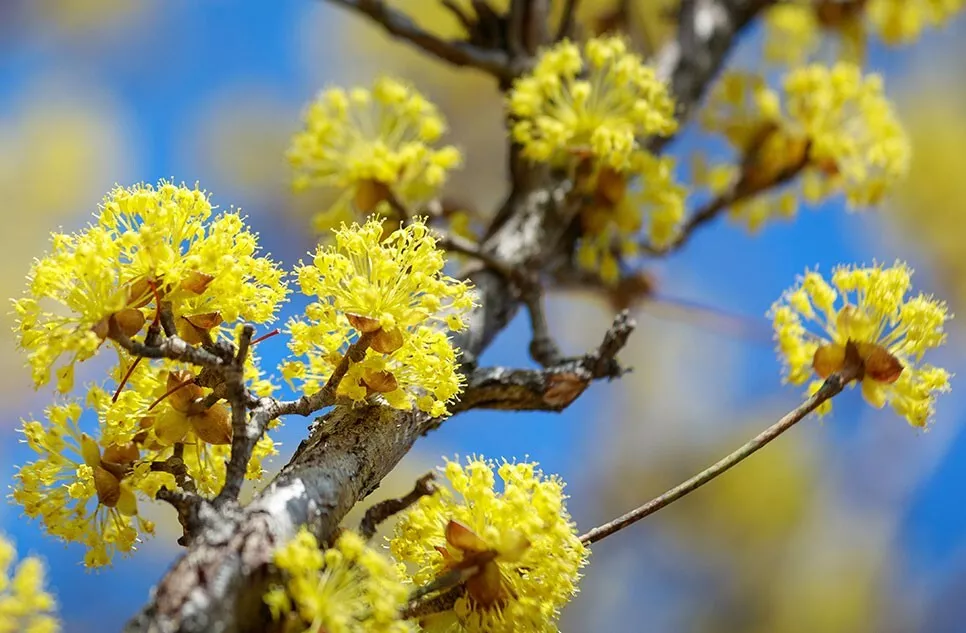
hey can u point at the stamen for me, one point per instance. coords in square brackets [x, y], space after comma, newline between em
[127, 376]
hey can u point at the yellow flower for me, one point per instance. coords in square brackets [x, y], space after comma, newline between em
[348, 588]
[611, 224]
[160, 407]
[369, 145]
[80, 492]
[25, 605]
[146, 243]
[395, 290]
[903, 21]
[520, 540]
[797, 30]
[867, 307]
[597, 103]
[830, 131]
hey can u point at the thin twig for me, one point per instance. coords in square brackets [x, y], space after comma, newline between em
[832, 386]
[390, 507]
[543, 348]
[243, 438]
[458, 244]
[398, 24]
[566, 26]
[435, 604]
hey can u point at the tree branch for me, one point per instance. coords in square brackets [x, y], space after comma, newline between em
[832, 386]
[378, 513]
[460, 53]
[707, 30]
[217, 586]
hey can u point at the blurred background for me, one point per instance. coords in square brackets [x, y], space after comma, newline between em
[853, 524]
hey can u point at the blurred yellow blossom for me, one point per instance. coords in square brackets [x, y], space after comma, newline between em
[521, 540]
[890, 331]
[393, 289]
[348, 588]
[80, 492]
[595, 102]
[796, 30]
[146, 244]
[25, 605]
[646, 195]
[831, 130]
[371, 145]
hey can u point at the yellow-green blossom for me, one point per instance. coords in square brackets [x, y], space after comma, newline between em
[520, 539]
[395, 290]
[869, 308]
[348, 588]
[795, 31]
[369, 145]
[831, 130]
[146, 243]
[159, 408]
[80, 492]
[25, 605]
[597, 102]
[621, 205]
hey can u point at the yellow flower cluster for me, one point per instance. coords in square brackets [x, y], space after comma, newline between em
[146, 244]
[612, 222]
[369, 145]
[82, 493]
[831, 130]
[869, 308]
[25, 605]
[394, 290]
[795, 31]
[520, 541]
[348, 588]
[593, 103]
[162, 407]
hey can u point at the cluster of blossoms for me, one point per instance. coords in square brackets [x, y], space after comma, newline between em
[392, 290]
[831, 130]
[146, 245]
[588, 110]
[868, 308]
[370, 146]
[348, 588]
[25, 605]
[518, 546]
[796, 30]
[149, 249]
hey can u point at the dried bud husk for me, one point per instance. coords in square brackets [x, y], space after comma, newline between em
[369, 193]
[184, 395]
[879, 364]
[214, 425]
[772, 156]
[196, 282]
[611, 186]
[102, 328]
[387, 341]
[836, 14]
[108, 487]
[380, 381]
[140, 292]
[129, 321]
[363, 323]
[194, 329]
[486, 586]
[121, 454]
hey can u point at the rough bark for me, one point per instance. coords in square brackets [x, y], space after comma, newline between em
[217, 585]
